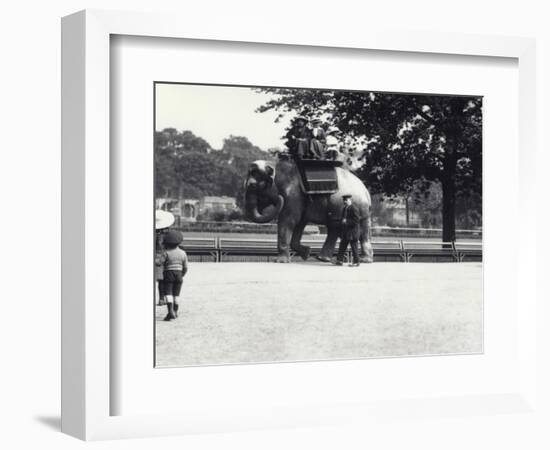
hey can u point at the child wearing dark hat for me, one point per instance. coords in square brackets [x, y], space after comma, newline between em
[175, 268]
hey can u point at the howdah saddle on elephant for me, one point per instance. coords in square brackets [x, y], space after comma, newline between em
[279, 192]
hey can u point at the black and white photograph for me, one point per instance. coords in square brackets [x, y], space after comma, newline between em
[307, 224]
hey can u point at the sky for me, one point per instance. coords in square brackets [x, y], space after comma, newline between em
[216, 112]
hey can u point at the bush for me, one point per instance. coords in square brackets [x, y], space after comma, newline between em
[219, 216]
[235, 214]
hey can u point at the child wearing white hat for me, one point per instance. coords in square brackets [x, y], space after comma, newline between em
[333, 144]
[163, 220]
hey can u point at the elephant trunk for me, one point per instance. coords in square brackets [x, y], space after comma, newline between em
[263, 208]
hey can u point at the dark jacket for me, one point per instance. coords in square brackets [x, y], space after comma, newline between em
[350, 229]
[298, 141]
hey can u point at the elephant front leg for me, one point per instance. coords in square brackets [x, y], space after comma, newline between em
[284, 234]
[295, 244]
[328, 247]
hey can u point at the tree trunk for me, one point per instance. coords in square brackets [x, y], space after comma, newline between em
[449, 208]
[454, 134]
[449, 191]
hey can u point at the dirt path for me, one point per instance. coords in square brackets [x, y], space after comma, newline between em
[249, 312]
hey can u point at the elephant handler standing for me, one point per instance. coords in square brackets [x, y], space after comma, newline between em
[349, 232]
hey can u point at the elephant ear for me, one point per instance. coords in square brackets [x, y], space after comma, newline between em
[270, 171]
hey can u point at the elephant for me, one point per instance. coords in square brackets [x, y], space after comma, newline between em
[275, 192]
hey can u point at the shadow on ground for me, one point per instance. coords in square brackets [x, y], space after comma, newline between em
[51, 422]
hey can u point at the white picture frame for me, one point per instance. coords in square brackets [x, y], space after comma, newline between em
[86, 220]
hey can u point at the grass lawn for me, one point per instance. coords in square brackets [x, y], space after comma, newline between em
[259, 312]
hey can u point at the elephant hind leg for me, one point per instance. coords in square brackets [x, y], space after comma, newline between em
[367, 253]
[284, 233]
[328, 247]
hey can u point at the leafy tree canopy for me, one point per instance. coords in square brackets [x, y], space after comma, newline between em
[188, 167]
[404, 139]
[169, 140]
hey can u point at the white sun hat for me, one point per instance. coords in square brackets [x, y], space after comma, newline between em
[333, 129]
[163, 219]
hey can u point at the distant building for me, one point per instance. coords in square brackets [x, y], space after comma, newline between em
[218, 203]
[185, 210]
[189, 210]
[168, 204]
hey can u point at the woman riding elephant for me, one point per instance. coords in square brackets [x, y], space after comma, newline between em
[318, 139]
[277, 192]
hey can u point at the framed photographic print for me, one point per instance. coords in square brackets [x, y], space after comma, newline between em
[300, 198]
[265, 233]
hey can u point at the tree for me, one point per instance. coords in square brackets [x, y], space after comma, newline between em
[239, 152]
[171, 140]
[205, 173]
[170, 148]
[403, 139]
[427, 202]
[188, 167]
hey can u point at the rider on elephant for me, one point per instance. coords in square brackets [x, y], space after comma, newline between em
[318, 139]
[333, 144]
[299, 138]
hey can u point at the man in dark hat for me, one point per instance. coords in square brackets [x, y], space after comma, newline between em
[349, 232]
